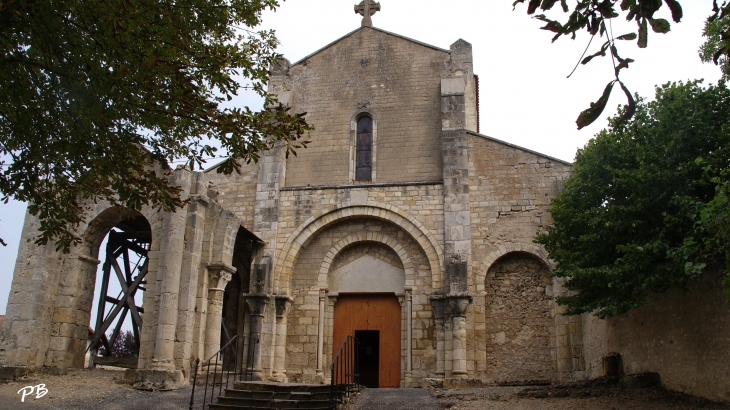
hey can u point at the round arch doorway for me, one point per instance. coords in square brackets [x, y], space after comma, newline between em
[375, 319]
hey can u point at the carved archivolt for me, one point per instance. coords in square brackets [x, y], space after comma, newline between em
[286, 259]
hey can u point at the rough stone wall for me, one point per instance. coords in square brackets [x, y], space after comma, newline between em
[510, 189]
[519, 323]
[399, 78]
[682, 334]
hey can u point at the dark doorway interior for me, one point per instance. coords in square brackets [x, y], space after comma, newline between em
[235, 312]
[368, 354]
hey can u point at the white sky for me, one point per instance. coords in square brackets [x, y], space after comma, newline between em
[525, 97]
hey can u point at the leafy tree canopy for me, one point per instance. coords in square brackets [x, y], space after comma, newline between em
[647, 205]
[95, 93]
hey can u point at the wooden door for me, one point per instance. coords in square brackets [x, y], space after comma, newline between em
[380, 312]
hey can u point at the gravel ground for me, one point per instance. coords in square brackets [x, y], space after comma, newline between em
[562, 398]
[394, 399]
[104, 389]
[92, 390]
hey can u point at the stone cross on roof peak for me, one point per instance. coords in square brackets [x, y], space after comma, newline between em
[367, 8]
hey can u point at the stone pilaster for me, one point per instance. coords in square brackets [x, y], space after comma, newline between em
[438, 303]
[457, 233]
[457, 213]
[195, 227]
[219, 275]
[283, 303]
[272, 174]
[162, 370]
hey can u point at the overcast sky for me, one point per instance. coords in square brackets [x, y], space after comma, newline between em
[525, 97]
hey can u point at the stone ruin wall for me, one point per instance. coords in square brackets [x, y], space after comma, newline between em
[682, 334]
[48, 312]
[235, 192]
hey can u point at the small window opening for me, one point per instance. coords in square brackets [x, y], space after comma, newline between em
[364, 156]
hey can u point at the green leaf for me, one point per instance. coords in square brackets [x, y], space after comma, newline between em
[630, 36]
[588, 116]
[551, 25]
[676, 9]
[599, 53]
[630, 106]
[564, 4]
[548, 4]
[659, 25]
[627, 4]
[643, 34]
[532, 6]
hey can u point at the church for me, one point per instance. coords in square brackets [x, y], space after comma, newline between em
[400, 224]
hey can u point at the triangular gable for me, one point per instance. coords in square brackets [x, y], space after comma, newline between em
[520, 148]
[371, 28]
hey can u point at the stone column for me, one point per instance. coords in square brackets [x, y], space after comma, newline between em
[283, 303]
[409, 336]
[458, 306]
[219, 275]
[439, 313]
[257, 306]
[320, 335]
[330, 335]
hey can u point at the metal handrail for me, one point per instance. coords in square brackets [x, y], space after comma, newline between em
[240, 372]
[344, 371]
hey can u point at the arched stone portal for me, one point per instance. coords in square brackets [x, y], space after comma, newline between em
[350, 258]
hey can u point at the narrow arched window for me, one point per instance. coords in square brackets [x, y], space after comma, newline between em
[364, 156]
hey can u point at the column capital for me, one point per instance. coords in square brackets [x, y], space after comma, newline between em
[256, 303]
[438, 303]
[458, 304]
[323, 293]
[219, 274]
[283, 303]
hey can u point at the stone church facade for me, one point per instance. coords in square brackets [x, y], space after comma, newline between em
[399, 222]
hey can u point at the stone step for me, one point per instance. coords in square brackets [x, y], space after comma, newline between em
[275, 404]
[282, 387]
[269, 395]
[266, 395]
[283, 405]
